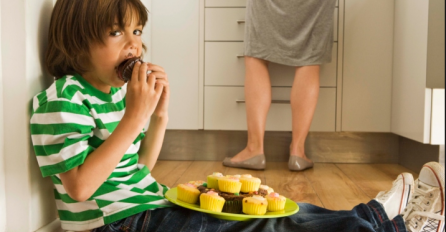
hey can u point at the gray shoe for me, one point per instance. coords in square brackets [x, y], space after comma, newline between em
[257, 162]
[298, 164]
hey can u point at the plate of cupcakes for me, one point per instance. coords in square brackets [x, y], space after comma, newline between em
[232, 197]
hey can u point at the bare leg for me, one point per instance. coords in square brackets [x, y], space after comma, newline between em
[258, 101]
[304, 95]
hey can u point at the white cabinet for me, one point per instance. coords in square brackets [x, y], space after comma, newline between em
[418, 71]
[224, 109]
[224, 73]
[175, 46]
[367, 69]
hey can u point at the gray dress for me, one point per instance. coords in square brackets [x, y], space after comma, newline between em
[290, 32]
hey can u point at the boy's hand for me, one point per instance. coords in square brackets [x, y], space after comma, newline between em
[161, 80]
[143, 93]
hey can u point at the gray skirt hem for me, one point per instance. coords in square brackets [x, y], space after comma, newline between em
[287, 61]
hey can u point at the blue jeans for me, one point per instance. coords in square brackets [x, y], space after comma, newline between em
[364, 217]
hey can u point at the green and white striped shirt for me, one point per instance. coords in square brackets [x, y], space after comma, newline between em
[70, 120]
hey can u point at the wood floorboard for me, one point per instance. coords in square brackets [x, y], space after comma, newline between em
[199, 170]
[373, 178]
[293, 185]
[333, 186]
[168, 172]
[335, 190]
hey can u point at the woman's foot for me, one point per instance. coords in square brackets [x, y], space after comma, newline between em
[298, 160]
[251, 159]
[246, 154]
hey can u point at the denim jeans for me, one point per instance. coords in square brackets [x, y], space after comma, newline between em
[363, 217]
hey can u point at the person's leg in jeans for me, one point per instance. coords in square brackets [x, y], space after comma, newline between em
[370, 217]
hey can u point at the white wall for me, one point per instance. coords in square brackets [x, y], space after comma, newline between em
[2, 167]
[29, 197]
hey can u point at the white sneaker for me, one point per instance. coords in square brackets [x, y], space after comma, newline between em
[425, 211]
[395, 200]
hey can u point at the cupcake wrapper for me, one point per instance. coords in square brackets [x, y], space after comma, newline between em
[254, 209]
[232, 207]
[276, 205]
[212, 183]
[229, 186]
[249, 186]
[211, 203]
[187, 196]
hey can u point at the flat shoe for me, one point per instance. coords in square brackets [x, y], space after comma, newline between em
[299, 164]
[257, 162]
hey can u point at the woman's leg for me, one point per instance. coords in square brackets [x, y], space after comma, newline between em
[304, 95]
[258, 101]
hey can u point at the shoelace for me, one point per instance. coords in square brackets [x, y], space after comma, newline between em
[414, 211]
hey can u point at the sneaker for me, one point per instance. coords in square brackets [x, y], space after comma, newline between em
[425, 211]
[395, 200]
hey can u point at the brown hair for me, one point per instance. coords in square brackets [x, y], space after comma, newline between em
[76, 24]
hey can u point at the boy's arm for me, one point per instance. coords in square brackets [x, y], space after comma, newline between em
[153, 141]
[142, 96]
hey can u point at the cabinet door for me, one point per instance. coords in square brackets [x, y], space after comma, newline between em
[175, 46]
[224, 110]
[367, 69]
[225, 66]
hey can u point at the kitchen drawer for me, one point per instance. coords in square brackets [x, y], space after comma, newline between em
[225, 3]
[222, 112]
[226, 24]
[224, 67]
[231, 3]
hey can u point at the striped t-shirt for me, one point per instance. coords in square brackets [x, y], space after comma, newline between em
[69, 121]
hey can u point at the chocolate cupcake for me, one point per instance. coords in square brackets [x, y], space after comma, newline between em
[233, 202]
[125, 69]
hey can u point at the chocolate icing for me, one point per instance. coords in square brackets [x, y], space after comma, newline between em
[125, 69]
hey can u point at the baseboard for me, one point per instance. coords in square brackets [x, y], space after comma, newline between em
[414, 154]
[54, 226]
[330, 147]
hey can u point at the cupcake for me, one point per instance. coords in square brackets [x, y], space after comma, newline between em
[255, 205]
[265, 190]
[235, 176]
[213, 180]
[211, 201]
[233, 202]
[229, 184]
[197, 183]
[276, 202]
[249, 183]
[187, 193]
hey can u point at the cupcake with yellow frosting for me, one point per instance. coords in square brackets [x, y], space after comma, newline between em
[276, 202]
[213, 180]
[229, 184]
[188, 193]
[255, 205]
[211, 201]
[249, 183]
[265, 190]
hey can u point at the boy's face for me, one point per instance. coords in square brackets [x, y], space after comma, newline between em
[120, 44]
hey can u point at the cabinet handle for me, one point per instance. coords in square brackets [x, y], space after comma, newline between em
[240, 56]
[240, 21]
[273, 101]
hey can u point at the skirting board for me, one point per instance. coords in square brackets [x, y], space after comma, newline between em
[414, 154]
[329, 147]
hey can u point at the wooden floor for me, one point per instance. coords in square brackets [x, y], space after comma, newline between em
[332, 186]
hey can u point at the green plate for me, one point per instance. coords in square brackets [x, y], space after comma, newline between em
[290, 208]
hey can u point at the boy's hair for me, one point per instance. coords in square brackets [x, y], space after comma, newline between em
[76, 24]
